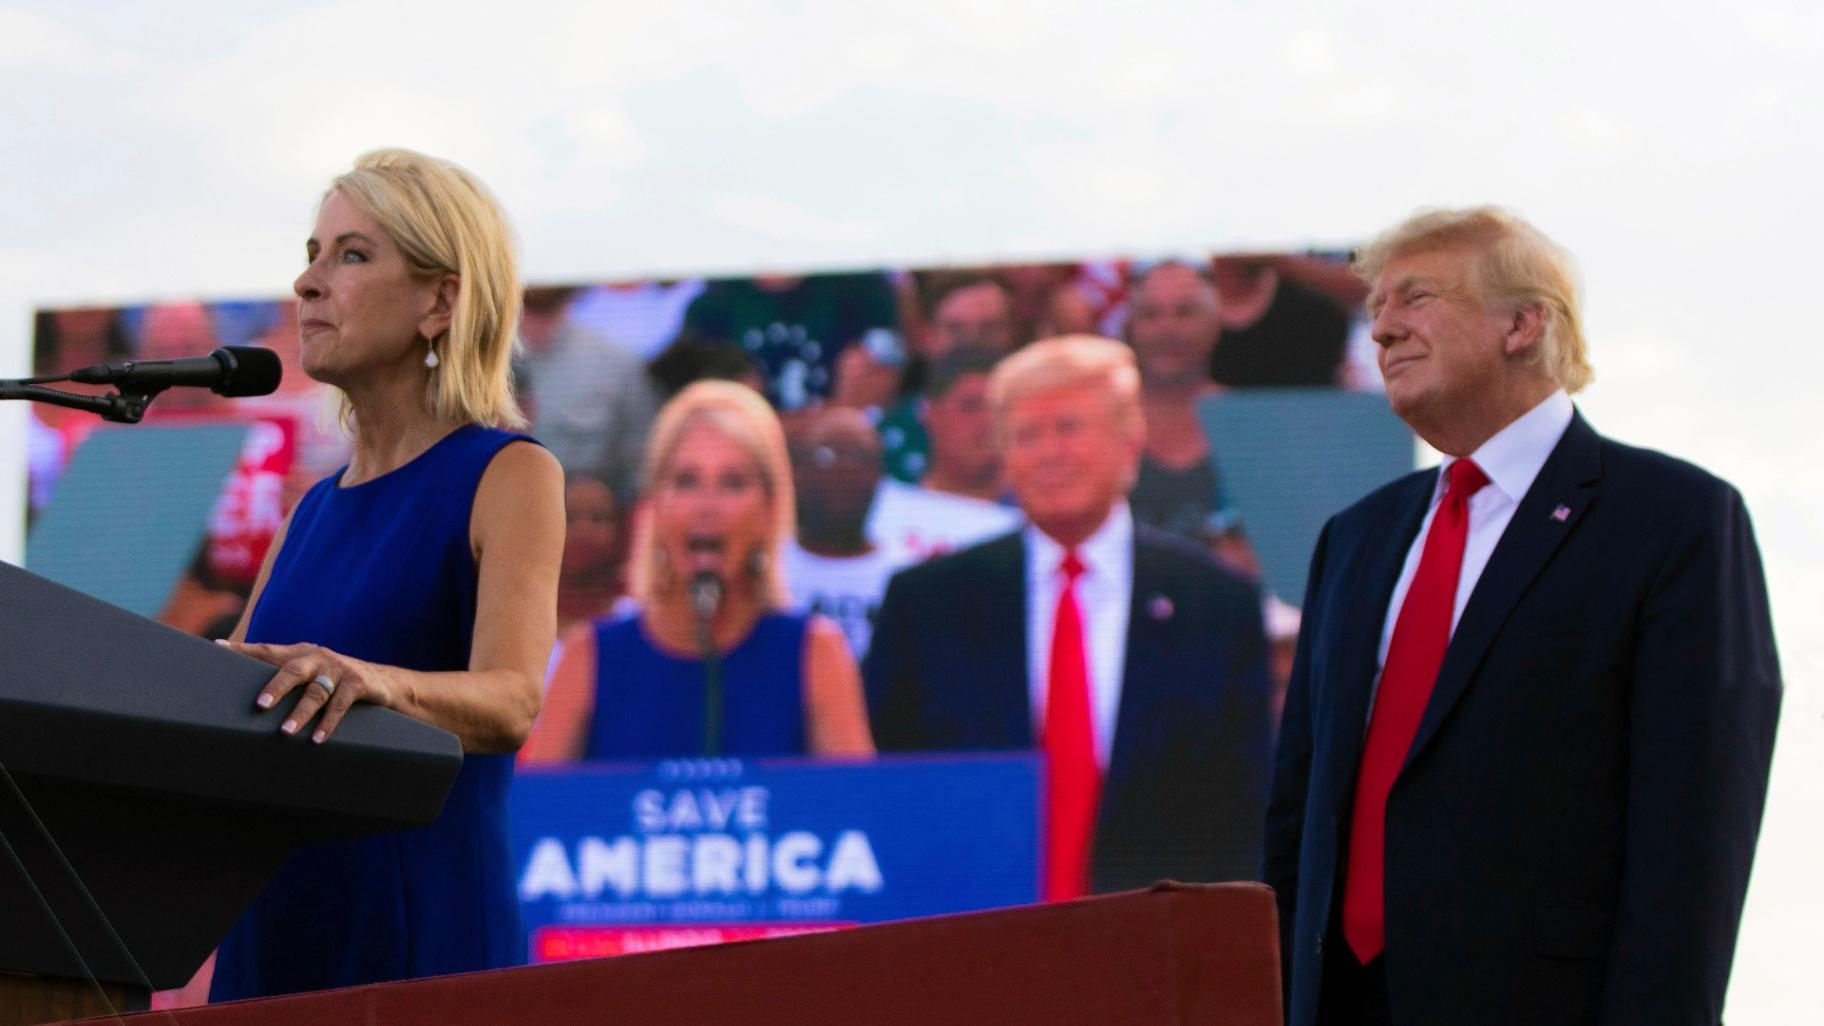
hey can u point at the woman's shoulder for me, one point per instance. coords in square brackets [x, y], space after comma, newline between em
[794, 621]
[323, 486]
[513, 479]
[623, 619]
[823, 638]
[786, 630]
[618, 630]
[310, 504]
[476, 433]
[519, 496]
[481, 440]
[516, 458]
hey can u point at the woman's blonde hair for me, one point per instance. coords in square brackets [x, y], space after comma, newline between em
[1512, 263]
[739, 414]
[445, 221]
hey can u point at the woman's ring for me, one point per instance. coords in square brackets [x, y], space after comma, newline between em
[329, 686]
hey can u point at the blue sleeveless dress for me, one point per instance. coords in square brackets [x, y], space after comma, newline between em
[383, 571]
[649, 704]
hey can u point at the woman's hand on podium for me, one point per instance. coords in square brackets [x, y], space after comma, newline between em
[327, 682]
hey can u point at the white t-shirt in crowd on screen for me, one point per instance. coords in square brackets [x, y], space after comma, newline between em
[846, 589]
[919, 523]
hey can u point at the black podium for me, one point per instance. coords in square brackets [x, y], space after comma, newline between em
[144, 801]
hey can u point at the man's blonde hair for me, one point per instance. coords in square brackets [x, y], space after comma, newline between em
[1066, 362]
[1512, 265]
[742, 416]
[445, 221]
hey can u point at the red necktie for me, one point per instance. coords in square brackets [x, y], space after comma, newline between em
[1073, 781]
[1414, 654]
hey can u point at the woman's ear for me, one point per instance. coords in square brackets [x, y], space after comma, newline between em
[443, 307]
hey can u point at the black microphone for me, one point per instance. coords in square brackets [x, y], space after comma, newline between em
[705, 594]
[233, 371]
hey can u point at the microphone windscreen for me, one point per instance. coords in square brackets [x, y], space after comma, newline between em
[255, 371]
[705, 593]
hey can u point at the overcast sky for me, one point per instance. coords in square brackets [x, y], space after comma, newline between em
[154, 151]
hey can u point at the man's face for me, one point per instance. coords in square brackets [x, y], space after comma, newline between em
[82, 338]
[589, 525]
[836, 468]
[977, 316]
[538, 323]
[174, 330]
[1173, 324]
[1443, 350]
[959, 422]
[1067, 458]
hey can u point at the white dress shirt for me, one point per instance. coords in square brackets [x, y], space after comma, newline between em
[1511, 459]
[1105, 594]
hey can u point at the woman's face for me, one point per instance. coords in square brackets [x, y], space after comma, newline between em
[589, 525]
[709, 506]
[360, 306]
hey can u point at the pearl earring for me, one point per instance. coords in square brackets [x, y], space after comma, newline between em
[430, 358]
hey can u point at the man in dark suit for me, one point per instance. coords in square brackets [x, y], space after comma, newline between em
[1526, 742]
[1132, 659]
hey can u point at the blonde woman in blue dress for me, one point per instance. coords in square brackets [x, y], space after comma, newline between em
[422, 577]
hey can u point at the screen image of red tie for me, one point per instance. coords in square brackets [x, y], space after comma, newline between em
[1073, 781]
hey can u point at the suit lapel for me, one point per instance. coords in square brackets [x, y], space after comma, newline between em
[1550, 509]
[1150, 611]
[1000, 624]
[1368, 587]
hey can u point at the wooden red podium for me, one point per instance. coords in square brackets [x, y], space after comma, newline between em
[1175, 955]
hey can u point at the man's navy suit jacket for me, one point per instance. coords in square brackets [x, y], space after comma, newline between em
[1186, 781]
[1570, 836]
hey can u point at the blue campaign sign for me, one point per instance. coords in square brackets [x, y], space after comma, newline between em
[625, 858]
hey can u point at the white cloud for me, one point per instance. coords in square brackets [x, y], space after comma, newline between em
[1310, 51]
[34, 43]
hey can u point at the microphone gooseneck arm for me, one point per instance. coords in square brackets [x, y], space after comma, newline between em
[117, 407]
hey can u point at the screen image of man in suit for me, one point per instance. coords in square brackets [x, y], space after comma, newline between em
[1130, 658]
[1526, 741]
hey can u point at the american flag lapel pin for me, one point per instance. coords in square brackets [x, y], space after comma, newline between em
[1562, 513]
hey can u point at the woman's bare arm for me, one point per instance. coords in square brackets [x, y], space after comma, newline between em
[517, 529]
[836, 717]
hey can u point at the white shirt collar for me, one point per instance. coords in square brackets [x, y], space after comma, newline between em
[1517, 452]
[1107, 547]
[1104, 595]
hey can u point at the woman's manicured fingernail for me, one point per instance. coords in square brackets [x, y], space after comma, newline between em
[264, 701]
[289, 727]
[222, 642]
[318, 737]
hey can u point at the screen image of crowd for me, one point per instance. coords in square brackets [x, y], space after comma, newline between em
[911, 609]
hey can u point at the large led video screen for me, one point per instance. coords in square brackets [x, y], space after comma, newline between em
[1258, 386]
